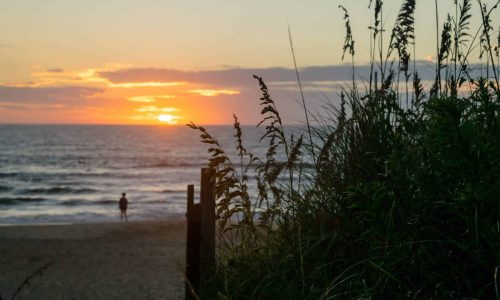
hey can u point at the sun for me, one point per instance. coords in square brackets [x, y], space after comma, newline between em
[169, 119]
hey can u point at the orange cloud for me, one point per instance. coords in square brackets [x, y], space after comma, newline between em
[60, 77]
[154, 109]
[150, 99]
[128, 85]
[213, 93]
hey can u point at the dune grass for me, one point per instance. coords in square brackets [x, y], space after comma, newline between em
[403, 200]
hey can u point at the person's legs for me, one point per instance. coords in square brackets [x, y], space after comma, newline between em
[121, 215]
[125, 213]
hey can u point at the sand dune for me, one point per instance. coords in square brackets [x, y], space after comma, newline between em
[136, 260]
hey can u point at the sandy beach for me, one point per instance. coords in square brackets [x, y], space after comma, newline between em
[135, 260]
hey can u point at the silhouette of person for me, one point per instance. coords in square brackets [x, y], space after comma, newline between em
[123, 203]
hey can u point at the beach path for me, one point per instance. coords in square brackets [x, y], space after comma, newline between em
[136, 260]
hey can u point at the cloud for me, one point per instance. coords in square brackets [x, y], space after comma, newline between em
[129, 85]
[319, 83]
[214, 93]
[4, 45]
[234, 90]
[69, 95]
[118, 93]
[150, 98]
[55, 70]
[235, 77]
[155, 109]
[240, 77]
[29, 106]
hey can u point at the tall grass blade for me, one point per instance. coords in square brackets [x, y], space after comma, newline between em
[301, 93]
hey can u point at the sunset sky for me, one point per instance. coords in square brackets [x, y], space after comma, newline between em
[169, 62]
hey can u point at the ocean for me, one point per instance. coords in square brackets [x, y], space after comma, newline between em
[76, 173]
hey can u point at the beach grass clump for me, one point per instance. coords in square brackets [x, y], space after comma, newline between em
[402, 196]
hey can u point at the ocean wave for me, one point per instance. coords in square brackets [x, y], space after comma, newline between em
[165, 165]
[19, 200]
[81, 202]
[5, 188]
[115, 173]
[153, 202]
[72, 202]
[169, 191]
[204, 164]
[56, 190]
[43, 176]
[106, 202]
[8, 174]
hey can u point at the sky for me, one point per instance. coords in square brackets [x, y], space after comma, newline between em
[173, 62]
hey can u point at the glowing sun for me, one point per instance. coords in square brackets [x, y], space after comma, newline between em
[169, 119]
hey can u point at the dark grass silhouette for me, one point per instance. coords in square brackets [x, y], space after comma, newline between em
[402, 201]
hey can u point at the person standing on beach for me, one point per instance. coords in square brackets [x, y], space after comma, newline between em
[123, 203]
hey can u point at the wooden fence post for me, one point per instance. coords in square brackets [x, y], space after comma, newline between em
[207, 246]
[192, 244]
[200, 243]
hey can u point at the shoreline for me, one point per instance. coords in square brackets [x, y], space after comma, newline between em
[133, 260]
[40, 224]
[90, 223]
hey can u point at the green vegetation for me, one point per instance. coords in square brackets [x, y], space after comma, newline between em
[403, 200]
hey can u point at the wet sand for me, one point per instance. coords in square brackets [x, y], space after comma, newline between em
[136, 260]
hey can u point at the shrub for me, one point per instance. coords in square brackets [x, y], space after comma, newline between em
[403, 197]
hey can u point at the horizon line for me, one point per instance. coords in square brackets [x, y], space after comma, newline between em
[126, 124]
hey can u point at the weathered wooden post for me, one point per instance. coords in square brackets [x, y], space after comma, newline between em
[207, 200]
[200, 243]
[192, 244]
